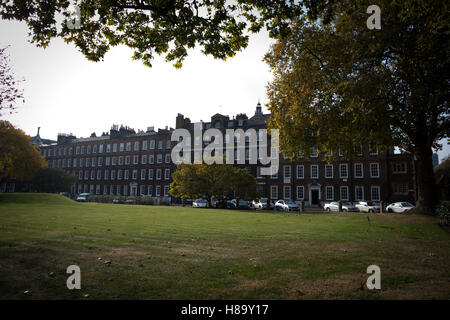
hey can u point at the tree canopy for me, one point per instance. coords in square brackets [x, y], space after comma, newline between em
[164, 27]
[18, 158]
[52, 180]
[10, 91]
[220, 181]
[338, 85]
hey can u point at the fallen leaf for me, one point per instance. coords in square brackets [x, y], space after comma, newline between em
[124, 233]
[182, 254]
[141, 265]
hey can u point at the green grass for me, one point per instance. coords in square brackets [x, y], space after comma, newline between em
[159, 252]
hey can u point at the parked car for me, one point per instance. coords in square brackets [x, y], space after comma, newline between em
[130, 201]
[231, 204]
[368, 206]
[256, 204]
[286, 205]
[116, 201]
[200, 203]
[399, 207]
[264, 202]
[334, 206]
[83, 197]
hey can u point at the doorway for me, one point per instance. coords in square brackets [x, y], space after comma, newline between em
[314, 197]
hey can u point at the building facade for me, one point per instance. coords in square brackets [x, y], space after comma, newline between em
[123, 162]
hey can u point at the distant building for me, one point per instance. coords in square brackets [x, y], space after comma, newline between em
[37, 140]
[435, 160]
[123, 162]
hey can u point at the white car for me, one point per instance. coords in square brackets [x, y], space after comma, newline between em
[334, 206]
[256, 204]
[286, 205]
[83, 197]
[368, 206]
[399, 207]
[200, 203]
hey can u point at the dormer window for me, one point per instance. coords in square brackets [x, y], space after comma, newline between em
[217, 124]
[240, 123]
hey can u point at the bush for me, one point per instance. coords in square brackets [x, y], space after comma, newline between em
[443, 211]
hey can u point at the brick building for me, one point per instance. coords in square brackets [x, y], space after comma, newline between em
[123, 162]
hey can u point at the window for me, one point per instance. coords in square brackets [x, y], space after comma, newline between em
[106, 174]
[168, 144]
[152, 144]
[86, 175]
[150, 190]
[88, 149]
[300, 172]
[343, 171]
[115, 147]
[151, 159]
[274, 192]
[158, 174]
[120, 160]
[74, 162]
[374, 170]
[105, 189]
[329, 192]
[144, 145]
[93, 161]
[121, 148]
[375, 193]
[314, 152]
[100, 162]
[160, 144]
[69, 163]
[314, 171]
[159, 158]
[94, 148]
[399, 167]
[150, 174]
[80, 175]
[400, 188]
[108, 149]
[136, 146]
[77, 150]
[344, 193]
[158, 191]
[100, 148]
[99, 174]
[134, 175]
[358, 149]
[168, 158]
[135, 159]
[128, 146]
[373, 150]
[359, 193]
[166, 191]
[358, 170]
[167, 174]
[287, 192]
[92, 174]
[119, 174]
[113, 174]
[88, 162]
[127, 174]
[287, 171]
[144, 159]
[274, 172]
[328, 171]
[141, 190]
[300, 193]
[114, 161]
[143, 174]
[82, 149]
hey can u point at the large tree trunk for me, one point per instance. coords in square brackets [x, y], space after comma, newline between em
[426, 183]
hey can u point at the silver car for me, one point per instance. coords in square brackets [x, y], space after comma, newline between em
[368, 206]
[346, 207]
[399, 207]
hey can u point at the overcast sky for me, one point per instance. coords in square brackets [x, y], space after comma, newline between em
[66, 93]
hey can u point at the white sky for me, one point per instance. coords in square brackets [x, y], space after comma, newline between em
[66, 93]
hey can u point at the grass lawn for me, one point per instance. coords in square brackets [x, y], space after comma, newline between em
[159, 252]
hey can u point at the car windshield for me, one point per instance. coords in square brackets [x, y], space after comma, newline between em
[346, 204]
[200, 201]
[289, 202]
[407, 204]
[370, 203]
[263, 200]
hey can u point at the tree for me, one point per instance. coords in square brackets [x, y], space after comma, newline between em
[164, 27]
[339, 85]
[52, 180]
[244, 185]
[18, 158]
[10, 93]
[220, 181]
